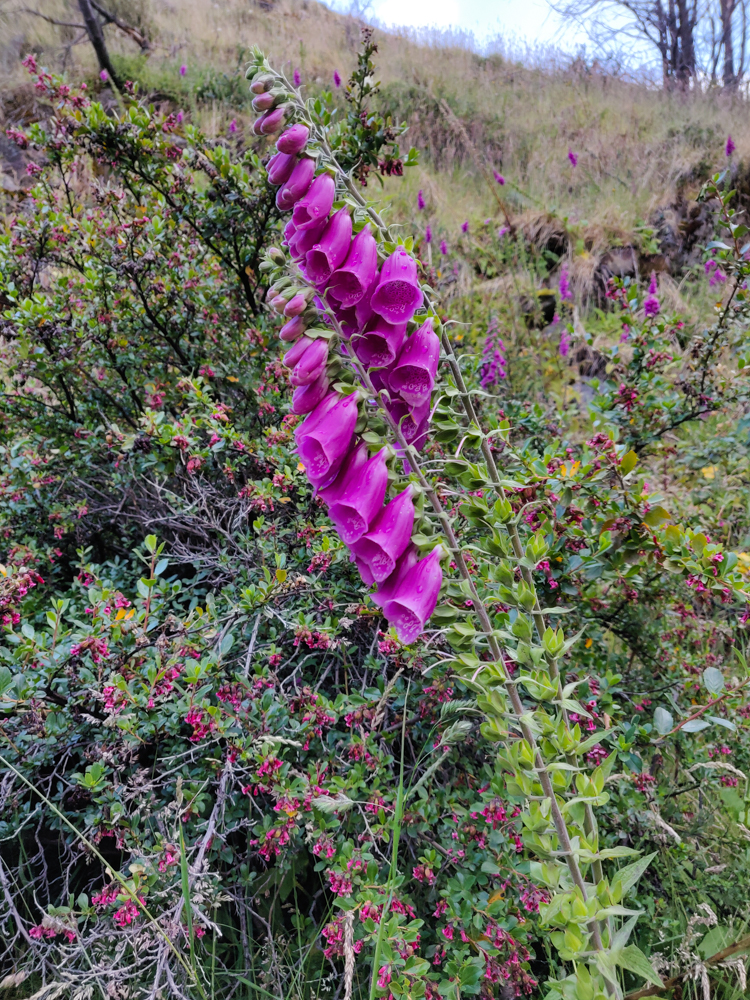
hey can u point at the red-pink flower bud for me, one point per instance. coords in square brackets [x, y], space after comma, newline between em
[270, 122]
[311, 364]
[264, 101]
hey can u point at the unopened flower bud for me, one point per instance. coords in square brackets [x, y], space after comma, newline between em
[294, 139]
[262, 83]
[295, 306]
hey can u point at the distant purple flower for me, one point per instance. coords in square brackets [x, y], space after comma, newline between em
[502, 231]
[336, 78]
[564, 286]
[651, 304]
[428, 234]
[233, 126]
[492, 367]
[420, 200]
[487, 222]
[183, 69]
[564, 345]
[573, 158]
[465, 227]
[180, 116]
[730, 146]
[297, 78]
[443, 247]
[625, 335]
[104, 76]
[717, 275]
[499, 178]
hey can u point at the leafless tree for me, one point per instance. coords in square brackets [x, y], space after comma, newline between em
[693, 40]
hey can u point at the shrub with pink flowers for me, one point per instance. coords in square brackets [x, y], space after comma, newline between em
[345, 647]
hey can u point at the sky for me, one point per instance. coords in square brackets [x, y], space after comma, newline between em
[523, 20]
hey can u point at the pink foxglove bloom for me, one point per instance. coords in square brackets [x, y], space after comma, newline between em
[297, 78]
[355, 509]
[653, 285]
[325, 437]
[298, 184]
[311, 363]
[564, 346]
[573, 158]
[293, 140]
[443, 247]
[233, 126]
[414, 422]
[351, 281]
[465, 226]
[293, 329]
[104, 76]
[397, 295]
[336, 78]
[730, 146]
[493, 356]
[388, 537]
[428, 234]
[305, 239]
[183, 70]
[380, 343]
[499, 178]
[350, 469]
[316, 204]
[413, 375]
[414, 597]
[280, 168]
[420, 200]
[307, 397]
[331, 250]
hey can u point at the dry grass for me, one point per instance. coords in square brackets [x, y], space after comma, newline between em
[637, 148]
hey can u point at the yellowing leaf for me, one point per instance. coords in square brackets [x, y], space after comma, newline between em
[232, 378]
[628, 462]
[709, 471]
[588, 643]
[281, 575]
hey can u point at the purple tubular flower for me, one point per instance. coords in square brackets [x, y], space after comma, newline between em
[280, 167]
[305, 239]
[564, 286]
[297, 186]
[293, 355]
[297, 78]
[443, 247]
[361, 499]
[428, 234]
[336, 78]
[295, 306]
[499, 178]
[293, 329]
[730, 146]
[651, 306]
[465, 226]
[413, 375]
[307, 397]
[380, 343]
[573, 158]
[351, 281]
[323, 439]
[411, 599]
[316, 204]
[420, 200]
[653, 286]
[414, 422]
[388, 537]
[397, 295]
[350, 469]
[330, 252]
[311, 364]
[293, 140]
[272, 121]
